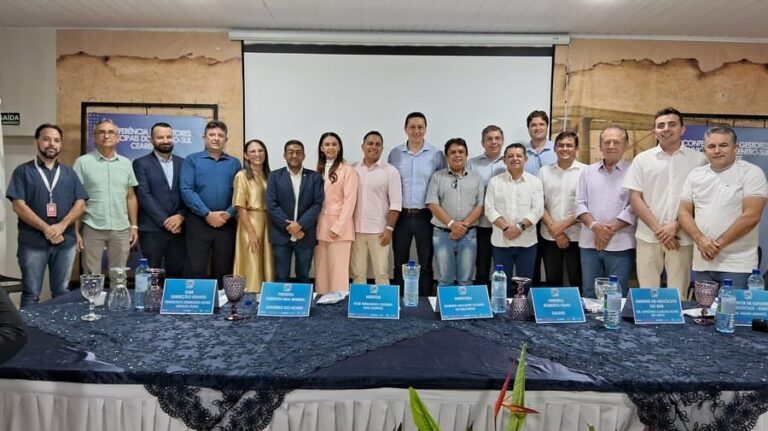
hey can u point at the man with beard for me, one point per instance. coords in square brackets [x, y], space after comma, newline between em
[161, 209]
[48, 198]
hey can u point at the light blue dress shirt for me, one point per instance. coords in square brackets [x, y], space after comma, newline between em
[415, 171]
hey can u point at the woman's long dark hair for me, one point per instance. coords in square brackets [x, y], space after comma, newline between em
[265, 166]
[321, 157]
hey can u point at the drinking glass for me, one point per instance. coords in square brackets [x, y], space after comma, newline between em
[706, 292]
[91, 286]
[234, 288]
[601, 283]
[119, 299]
[520, 310]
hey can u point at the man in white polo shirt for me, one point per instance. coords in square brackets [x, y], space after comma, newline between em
[720, 208]
[655, 181]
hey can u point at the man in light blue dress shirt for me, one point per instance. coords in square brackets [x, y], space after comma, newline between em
[416, 161]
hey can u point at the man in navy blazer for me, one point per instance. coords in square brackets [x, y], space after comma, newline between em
[293, 222]
[161, 209]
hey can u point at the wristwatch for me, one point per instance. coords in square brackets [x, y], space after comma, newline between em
[521, 226]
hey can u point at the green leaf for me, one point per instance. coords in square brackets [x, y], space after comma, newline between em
[590, 427]
[421, 417]
[517, 420]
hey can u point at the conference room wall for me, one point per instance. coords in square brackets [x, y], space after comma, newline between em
[625, 82]
[147, 67]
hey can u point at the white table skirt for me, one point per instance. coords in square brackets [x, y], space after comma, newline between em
[44, 405]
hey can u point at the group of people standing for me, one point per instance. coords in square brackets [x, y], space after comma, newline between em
[207, 215]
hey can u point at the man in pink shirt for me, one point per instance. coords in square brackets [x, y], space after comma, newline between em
[379, 201]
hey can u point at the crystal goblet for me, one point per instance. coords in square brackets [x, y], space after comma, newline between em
[234, 288]
[706, 292]
[91, 286]
[520, 310]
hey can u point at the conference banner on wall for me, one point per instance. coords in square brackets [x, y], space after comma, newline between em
[753, 148]
[135, 132]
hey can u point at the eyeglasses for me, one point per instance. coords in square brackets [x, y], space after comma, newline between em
[455, 182]
[109, 133]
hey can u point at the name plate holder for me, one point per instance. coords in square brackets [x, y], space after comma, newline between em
[656, 306]
[464, 302]
[373, 301]
[557, 305]
[285, 299]
[750, 304]
[188, 296]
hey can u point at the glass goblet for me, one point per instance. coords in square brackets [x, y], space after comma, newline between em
[601, 284]
[706, 292]
[91, 286]
[234, 288]
[520, 310]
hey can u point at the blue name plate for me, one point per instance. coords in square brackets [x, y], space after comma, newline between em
[750, 304]
[656, 306]
[188, 296]
[557, 305]
[374, 301]
[464, 302]
[285, 299]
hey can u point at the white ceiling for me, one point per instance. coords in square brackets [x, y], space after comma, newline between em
[717, 19]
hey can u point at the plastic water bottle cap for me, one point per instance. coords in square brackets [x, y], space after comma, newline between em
[613, 278]
[411, 263]
[756, 271]
[727, 282]
[143, 260]
[499, 267]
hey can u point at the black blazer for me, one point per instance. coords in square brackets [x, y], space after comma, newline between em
[157, 201]
[280, 204]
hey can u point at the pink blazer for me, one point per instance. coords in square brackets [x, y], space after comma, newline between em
[339, 206]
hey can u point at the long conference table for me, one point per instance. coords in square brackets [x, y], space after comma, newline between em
[144, 371]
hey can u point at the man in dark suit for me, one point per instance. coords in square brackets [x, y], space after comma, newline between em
[161, 209]
[293, 221]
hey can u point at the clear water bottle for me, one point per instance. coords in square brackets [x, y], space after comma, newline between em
[499, 291]
[755, 281]
[612, 304]
[142, 284]
[411, 283]
[726, 309]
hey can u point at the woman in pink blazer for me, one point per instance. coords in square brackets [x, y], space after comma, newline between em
[335, 228]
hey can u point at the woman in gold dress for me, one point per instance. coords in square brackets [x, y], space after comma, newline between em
[253, 253]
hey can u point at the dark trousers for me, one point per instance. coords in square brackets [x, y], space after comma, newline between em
[206, 243]
[409, 226]
[164, 250]
[484, 256]
[554, 257]
[284, 253]
[536, 279]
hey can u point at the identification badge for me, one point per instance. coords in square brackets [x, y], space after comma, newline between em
[50, 209]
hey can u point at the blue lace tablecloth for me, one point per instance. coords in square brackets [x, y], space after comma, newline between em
[255, 362]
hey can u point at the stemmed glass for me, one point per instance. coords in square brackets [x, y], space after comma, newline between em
[706, 292]
[234, 288]
[601, 283]
[91, 286]
[519, 310]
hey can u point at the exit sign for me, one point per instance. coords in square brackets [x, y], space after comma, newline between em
[11, 119]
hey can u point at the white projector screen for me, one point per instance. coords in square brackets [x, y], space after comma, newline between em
[301, 93]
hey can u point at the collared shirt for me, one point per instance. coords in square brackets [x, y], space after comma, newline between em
[106, 181]
[538, 160]
[600, 193]
[486, 168]
[415, 171]
[167, 166]
[296, 184]
[27, 185]
[379, 191]
[717, 199]
[207, 184]
[514, 201]
[659, 177]
[457, 195]
[560, 195]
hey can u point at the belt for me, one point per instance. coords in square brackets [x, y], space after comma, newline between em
[448, 230]
[413, 210]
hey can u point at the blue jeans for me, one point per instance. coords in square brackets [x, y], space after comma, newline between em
[455, 258]
[739, 278]
[520, 259]
[34, 260]
[604, 263]
[283, 255]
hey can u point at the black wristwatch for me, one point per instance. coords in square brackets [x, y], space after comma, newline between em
[521, 226]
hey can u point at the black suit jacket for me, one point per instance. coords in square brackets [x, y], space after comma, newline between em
[157, 201]
[280, 204]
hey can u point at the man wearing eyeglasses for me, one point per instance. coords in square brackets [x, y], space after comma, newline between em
[455, 197]
[111, 213]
